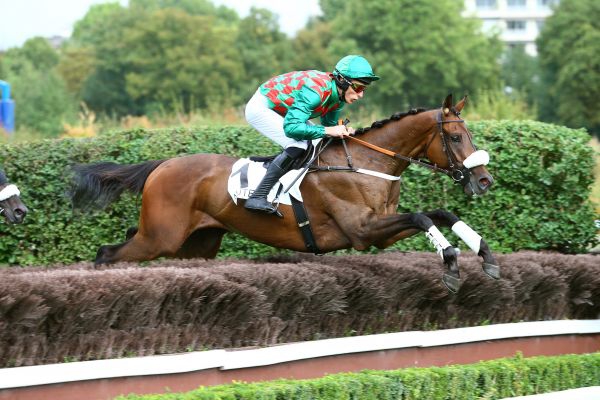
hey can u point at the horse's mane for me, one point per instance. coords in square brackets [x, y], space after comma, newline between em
[394, 117]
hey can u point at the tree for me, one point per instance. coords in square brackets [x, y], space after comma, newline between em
[422, 50]
[520, 72]
[180, 61]
[156, 54]
[42, 101]
[99, 34]
[264, 50]
[569, 52]
[191, 7]
[75, 67]
[311, 47]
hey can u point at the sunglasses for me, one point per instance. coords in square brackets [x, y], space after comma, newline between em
[357, 87]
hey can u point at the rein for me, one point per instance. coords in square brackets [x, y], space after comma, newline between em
[411, 160]
[455, 173]
[459, 175]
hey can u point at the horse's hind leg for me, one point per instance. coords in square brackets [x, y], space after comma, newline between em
[137, 248]
[470, 237]
[131, 232]
[202, 243]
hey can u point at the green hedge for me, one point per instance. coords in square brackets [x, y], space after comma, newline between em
[540, 199]
[495, 379]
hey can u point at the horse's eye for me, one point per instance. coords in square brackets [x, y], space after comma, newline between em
[455, 138]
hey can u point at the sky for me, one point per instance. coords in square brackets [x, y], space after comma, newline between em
[23, 19]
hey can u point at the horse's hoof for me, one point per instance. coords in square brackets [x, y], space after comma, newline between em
[451, 282]
[491, 270]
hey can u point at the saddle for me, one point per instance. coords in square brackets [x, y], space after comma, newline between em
[247, 173]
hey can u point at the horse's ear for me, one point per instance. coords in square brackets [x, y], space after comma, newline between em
[447, 106]
[459, 106]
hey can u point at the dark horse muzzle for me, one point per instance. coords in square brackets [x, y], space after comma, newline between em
[473, 176]
[11, 206]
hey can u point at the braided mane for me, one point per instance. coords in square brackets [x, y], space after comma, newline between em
[394, 117]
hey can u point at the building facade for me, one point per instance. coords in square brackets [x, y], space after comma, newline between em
[518, 21]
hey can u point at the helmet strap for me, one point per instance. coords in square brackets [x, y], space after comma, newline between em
[342, 82]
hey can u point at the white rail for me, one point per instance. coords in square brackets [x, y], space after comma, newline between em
[236, 359]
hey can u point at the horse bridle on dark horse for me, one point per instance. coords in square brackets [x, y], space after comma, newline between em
[459, 175]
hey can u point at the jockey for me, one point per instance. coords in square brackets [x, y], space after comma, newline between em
[282, 107]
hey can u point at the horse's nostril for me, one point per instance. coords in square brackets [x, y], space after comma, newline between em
[484, 183]
[19, 212]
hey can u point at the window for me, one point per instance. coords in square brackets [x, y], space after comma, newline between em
[547, 3]
[540, 25]
[516, 3]
[485, 4]
[515, 25]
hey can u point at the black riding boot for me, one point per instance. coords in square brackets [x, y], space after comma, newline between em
[258, 199]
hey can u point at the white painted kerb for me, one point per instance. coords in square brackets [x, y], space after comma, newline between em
[229, 359]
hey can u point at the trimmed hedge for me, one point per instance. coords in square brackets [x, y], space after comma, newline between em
[540, 199]
[48, 315]
[516, 376]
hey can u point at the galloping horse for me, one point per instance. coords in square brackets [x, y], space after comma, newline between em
[186, 208]
[11, 207]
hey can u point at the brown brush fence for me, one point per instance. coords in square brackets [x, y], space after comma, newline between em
[68, 313]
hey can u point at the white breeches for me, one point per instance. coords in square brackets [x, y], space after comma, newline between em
[269, 123]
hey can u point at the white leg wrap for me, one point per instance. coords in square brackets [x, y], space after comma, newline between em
[437, 239]
[468, 235]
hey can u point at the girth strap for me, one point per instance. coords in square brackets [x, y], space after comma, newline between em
[304, 225]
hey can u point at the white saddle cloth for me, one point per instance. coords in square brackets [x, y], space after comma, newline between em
[246, 175]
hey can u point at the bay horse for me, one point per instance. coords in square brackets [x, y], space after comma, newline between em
[186, 208]
[11, 206]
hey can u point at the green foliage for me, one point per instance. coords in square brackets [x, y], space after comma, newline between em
[159, 55]
[520, 72]
[498, 105]
[540, 199]
[159, 68]
[97, 26]
[422, 50]
[259, 39]
[311, 49]
[42, 102]
[494, 379]
[570, 61]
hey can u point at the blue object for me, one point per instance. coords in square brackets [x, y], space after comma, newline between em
[7, 108]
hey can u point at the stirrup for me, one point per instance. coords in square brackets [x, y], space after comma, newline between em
[265, 207]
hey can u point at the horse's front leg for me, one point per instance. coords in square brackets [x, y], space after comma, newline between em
[389, 229]
[470, 237]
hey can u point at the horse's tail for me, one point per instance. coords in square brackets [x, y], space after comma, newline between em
[97, 185]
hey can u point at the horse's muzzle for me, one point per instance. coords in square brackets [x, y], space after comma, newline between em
[479, 182]
[15, 215]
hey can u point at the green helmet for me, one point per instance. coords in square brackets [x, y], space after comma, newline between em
[356, 67]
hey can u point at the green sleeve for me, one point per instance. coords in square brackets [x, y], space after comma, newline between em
[295, 123]
[331, 118]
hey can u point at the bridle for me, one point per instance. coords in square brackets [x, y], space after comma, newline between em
[458, 174]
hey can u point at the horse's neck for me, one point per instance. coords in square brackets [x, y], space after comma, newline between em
[407, 136]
